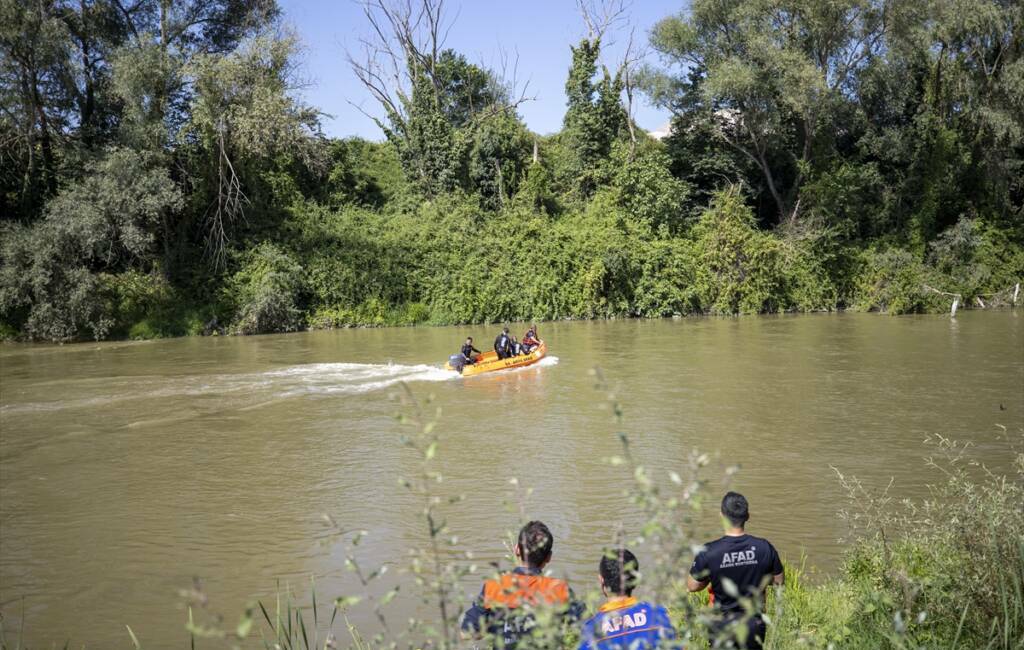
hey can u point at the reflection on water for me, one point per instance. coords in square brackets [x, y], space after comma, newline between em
[126, 469]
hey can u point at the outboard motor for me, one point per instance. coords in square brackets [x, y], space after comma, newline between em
[458, 362]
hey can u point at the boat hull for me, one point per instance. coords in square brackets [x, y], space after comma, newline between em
[489, 361]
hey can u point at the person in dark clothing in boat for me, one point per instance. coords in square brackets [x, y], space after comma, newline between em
[530, 340]
[505, 609]
[503, 344]
[469, 352]
[750, 564]
[466, 356]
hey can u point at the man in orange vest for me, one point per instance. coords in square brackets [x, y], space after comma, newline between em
[506, 605]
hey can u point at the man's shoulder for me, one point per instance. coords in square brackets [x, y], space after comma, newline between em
[656, 614]
[754, 539]
[713, 544]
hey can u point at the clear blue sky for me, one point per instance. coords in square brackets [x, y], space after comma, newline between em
[540, 31]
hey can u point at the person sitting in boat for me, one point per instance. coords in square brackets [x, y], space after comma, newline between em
[505, 609]
[530, 340]
[622, 621]
[469, 352]
[503, 344]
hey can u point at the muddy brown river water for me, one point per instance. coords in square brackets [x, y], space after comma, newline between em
[127, 469]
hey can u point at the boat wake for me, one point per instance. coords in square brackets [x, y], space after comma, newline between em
[244, 391]
[348, 378]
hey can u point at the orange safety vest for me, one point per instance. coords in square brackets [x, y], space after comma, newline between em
[512, 590]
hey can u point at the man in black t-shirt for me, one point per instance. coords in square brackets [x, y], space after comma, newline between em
[742, 561]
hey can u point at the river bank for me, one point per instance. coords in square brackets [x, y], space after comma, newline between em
[436, 263]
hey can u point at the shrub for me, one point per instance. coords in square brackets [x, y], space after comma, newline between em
[667, 283]
[645, 188]
[739, 267]
[106, 223]
[948, 570]
[892, 281]
[266, 291]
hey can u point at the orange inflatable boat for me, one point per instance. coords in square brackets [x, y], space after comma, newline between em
[489, 361]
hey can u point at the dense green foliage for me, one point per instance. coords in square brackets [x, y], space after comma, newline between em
[158, 176]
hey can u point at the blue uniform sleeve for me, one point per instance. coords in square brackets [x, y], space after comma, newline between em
[587, 636]
[668, 631]
[476, 616]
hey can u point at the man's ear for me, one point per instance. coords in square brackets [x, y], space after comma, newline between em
[600, 581]
[516, 551]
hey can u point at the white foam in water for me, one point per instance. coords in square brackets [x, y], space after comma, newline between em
[252, 390]
[342, 378]
[264, 387]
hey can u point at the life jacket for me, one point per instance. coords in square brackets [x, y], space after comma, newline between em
[509, 601]
[512, 590]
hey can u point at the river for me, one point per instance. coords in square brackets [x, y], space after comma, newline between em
[127, 469]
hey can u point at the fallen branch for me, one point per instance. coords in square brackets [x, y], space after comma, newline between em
[957, 298]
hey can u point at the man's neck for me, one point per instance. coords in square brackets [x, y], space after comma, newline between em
[733, 531]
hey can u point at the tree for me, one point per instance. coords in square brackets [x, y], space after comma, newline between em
[433, 99]
[52, 276]
[499, 158]
[595, 117]
[35, 46]
[242, 111]
[772, 71]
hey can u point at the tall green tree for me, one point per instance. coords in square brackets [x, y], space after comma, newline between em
[774, 73]
[434, 100]
[594, 117]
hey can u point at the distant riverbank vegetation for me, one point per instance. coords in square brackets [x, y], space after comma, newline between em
[160, 175]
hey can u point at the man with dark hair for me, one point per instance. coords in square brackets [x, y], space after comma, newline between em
[747, 564]
[469, 352]
[623, 622]
[506, 603]
[503, 344]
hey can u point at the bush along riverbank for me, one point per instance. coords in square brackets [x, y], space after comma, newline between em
[189, 189]
[444, 262]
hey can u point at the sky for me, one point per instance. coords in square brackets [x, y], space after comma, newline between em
[539, 31]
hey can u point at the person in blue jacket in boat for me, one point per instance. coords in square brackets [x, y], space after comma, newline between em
[623, 622]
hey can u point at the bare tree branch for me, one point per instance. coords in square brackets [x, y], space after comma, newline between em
[227, 208]
[600, 16]
[631, 60]
[407, 38]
